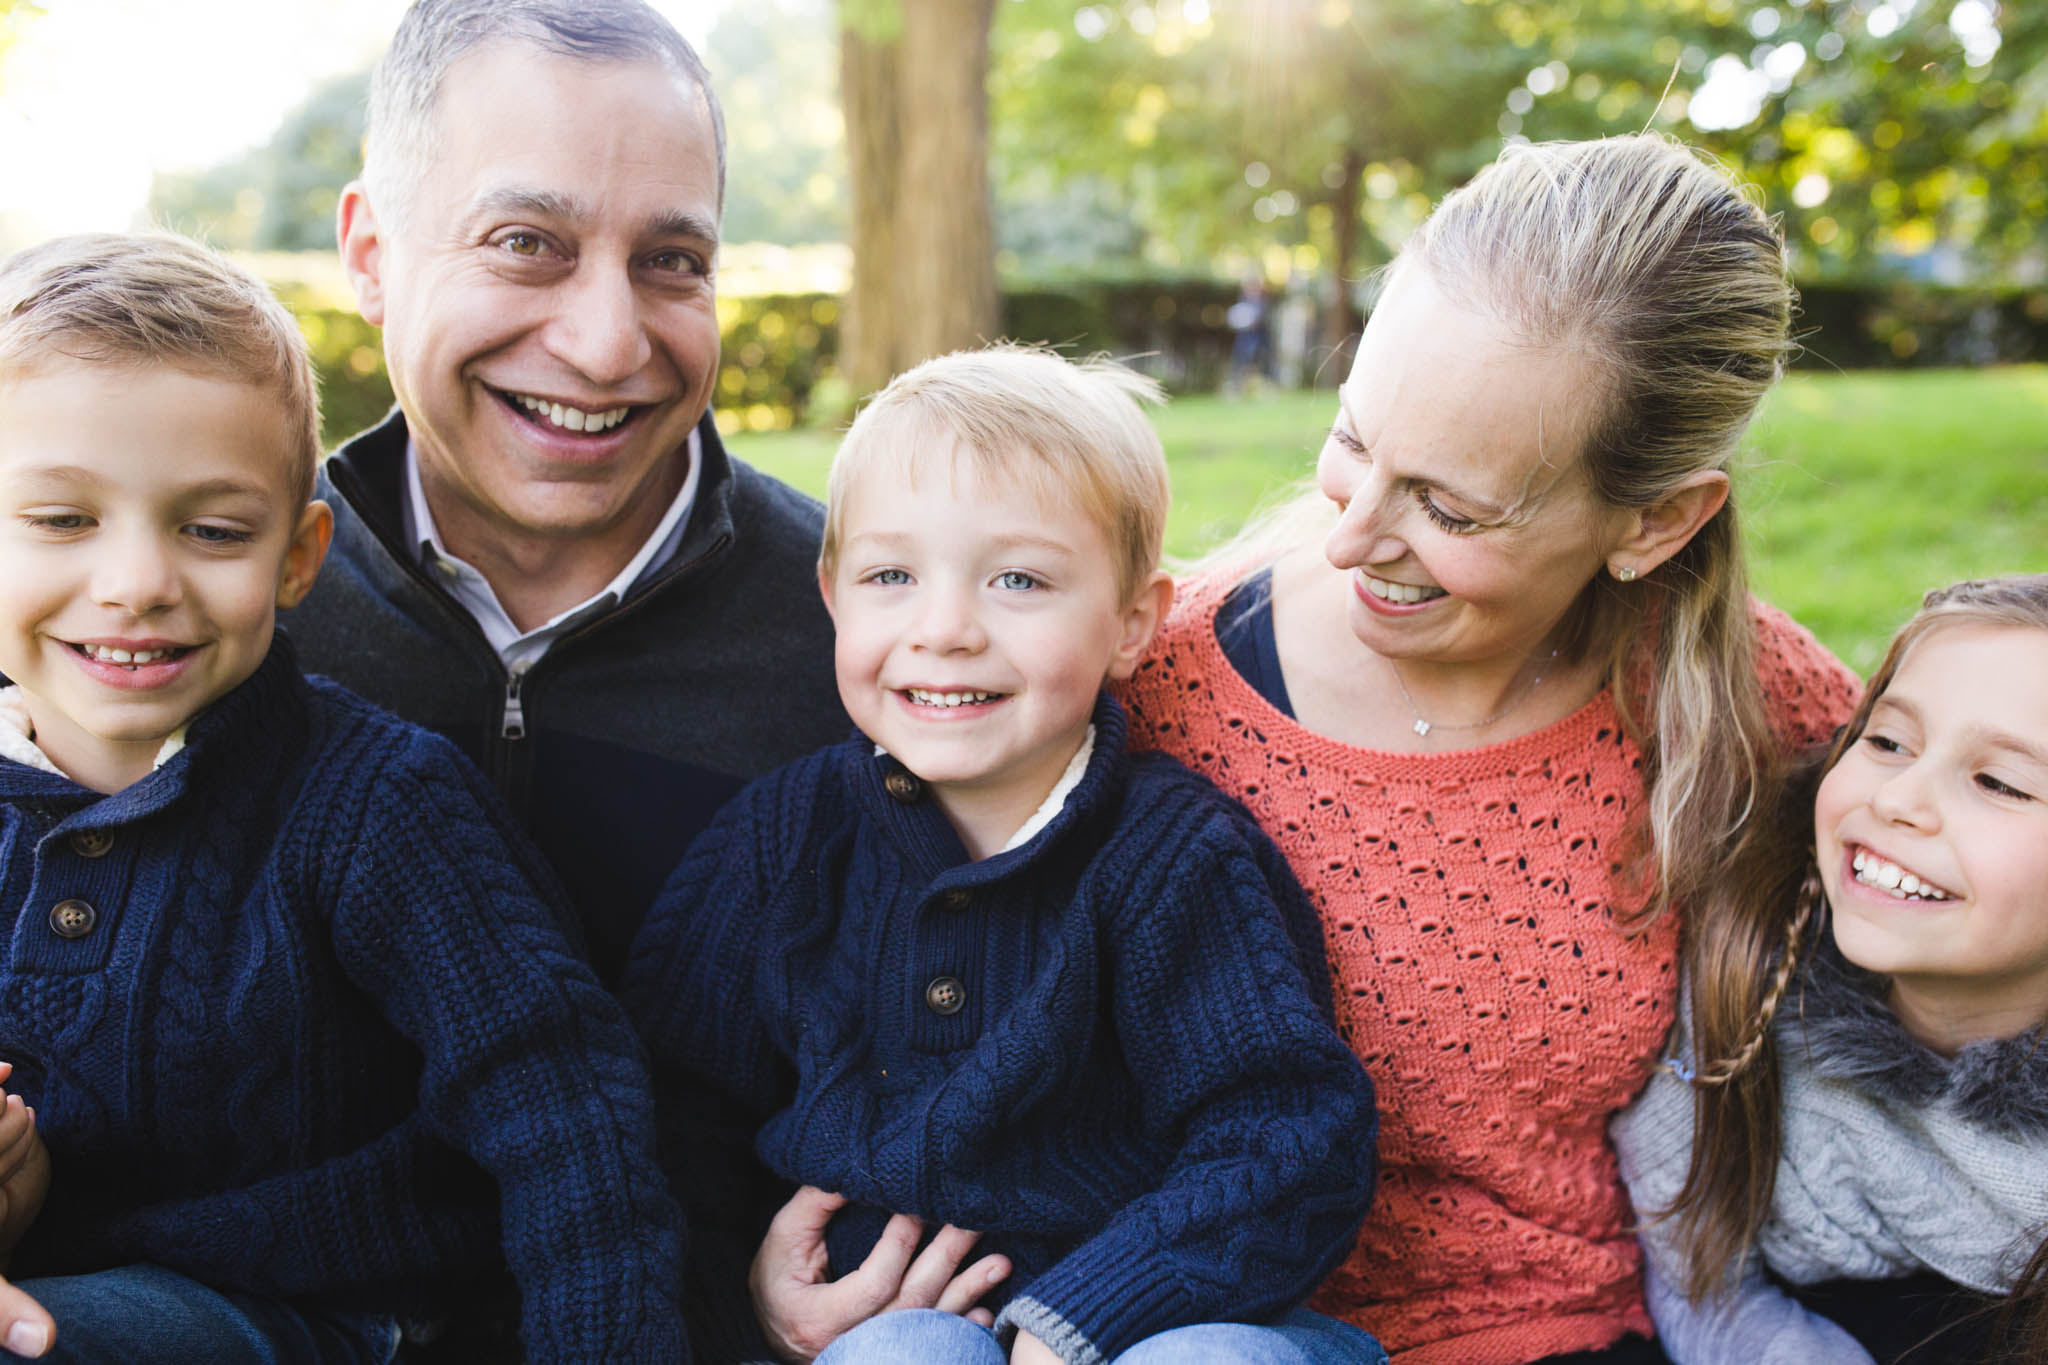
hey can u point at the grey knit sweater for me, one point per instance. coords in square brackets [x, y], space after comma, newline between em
[1895, 1160]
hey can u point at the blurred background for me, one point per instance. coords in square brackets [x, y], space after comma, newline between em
[1203, 187]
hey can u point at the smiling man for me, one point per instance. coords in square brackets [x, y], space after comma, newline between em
[545, 552]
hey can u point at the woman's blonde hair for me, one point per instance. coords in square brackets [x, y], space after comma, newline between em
[1747, 939]
[1649, 259]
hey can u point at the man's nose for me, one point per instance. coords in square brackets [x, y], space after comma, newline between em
[599, 330]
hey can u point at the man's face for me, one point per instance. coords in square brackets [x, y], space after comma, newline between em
[547, 294]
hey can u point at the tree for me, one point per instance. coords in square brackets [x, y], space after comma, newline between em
[913, 88]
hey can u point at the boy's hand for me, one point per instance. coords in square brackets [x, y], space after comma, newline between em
[802, 1311]
[1029, 1350]
[24, 1167]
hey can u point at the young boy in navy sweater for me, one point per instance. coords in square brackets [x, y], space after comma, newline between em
[294, 1017]
[982, 965]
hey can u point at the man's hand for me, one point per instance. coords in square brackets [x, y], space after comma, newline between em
[25, 1329]
[24, 1167]
[802, 1311]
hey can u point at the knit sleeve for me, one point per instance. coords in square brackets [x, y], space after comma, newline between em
[1808, 692]
[1751, 1322]
[1219, 995]
[528, 1066]
[690, 989]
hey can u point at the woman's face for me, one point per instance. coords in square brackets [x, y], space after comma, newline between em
[1467, 526]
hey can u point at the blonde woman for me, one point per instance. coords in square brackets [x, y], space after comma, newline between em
[1506, 706]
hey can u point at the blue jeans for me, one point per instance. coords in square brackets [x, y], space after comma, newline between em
[145, 1313]
[930, 1337]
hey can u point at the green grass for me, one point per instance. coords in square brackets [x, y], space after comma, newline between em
[1863, 490]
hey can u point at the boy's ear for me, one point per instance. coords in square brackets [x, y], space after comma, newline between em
[825, 591]
[1655, 533]
[1141, 621]
[362, 251]
[303, 557]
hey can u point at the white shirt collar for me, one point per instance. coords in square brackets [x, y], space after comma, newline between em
[1055, 800]
[466, 585]
[18, 736]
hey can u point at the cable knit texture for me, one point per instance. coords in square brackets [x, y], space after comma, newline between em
[315, 1009]
[1480, 975]
[1137, 1094]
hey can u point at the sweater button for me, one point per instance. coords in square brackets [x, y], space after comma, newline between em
[91, 843]
[72, 918]
[946, 996]
[959, 898]
[903, 786]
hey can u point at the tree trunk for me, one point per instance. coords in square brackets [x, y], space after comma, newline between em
[913, 87]
[1340, 320]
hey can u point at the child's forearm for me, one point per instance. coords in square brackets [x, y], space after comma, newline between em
[1754, 1323]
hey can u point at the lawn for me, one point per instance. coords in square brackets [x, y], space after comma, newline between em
[1861, 490]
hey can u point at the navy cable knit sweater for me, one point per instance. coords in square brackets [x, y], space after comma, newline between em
[1108, 1050]
[287, 1007]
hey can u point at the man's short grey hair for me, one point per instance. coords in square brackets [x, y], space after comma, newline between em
[435, 34]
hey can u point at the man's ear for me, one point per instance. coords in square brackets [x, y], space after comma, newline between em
[362, 250]
[1657, 532]
[1141, 621]
[307, 551]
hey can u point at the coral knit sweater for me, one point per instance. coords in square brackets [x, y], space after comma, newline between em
[1481, 977]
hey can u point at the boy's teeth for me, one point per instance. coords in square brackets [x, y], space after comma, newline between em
[1403, 593]
[106, 654]
[924, 698]
[572, 419]
[1885, 875]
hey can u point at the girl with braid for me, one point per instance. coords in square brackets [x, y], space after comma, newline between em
[1849, 1148]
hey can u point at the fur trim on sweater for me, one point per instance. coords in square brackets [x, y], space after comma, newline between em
[1847, 1030]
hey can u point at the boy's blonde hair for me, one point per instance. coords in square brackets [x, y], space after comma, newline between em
[1072, 429]
[154, 299]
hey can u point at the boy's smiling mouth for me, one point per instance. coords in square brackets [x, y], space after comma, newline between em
[950, 700]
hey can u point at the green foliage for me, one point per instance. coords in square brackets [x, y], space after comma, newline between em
[1865, 490]
[282, 195]
[1911, 133]
[775, 64]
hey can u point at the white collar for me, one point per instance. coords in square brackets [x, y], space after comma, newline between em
[474, 592]
[18, 736]
[1055, 800]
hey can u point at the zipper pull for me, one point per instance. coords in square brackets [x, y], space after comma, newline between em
[514, 726]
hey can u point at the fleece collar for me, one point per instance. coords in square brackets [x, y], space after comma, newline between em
[1847, 1030]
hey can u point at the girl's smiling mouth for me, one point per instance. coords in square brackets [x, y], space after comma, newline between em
[1873, 870]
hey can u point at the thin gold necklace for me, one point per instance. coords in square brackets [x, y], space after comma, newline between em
[1423, 726]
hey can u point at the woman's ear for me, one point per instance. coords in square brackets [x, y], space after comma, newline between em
[1655, 533]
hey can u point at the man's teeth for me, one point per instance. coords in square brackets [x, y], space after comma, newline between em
[1403, 593]
[133, 658]
[1872, 870]
[924, 698]
[572, 419]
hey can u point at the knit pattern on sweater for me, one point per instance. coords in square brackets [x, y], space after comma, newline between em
[1135, 1093]
[321, 1037]
[1481, 975]
[1879, 1175]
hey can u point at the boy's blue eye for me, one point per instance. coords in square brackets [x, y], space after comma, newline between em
[218, 535]
[1016, 580]
[890, 578]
